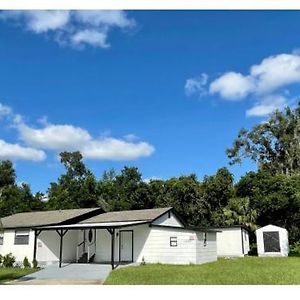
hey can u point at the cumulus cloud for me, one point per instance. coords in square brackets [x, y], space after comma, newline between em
[269, 76]
[4, 110]
[66, 137]
[116, 149]
[196, 85]
[232, 86]
[18, 152]
[266, 84]
[70, 138]
[74, 28]
[267, 105]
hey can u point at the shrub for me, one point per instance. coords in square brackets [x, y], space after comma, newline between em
[1, 260]
[26, 263]
[253, 250]
[143, 262]
[34, 264]
[8, 260]
[295, 249]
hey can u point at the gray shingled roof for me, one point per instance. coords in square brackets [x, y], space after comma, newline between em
[128, 215]
[41, 218]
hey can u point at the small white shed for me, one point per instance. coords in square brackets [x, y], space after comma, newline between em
[232, 241]
[272, 241]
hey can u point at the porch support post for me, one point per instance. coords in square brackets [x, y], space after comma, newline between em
[113, 248]
[36, 234]
[61, 234]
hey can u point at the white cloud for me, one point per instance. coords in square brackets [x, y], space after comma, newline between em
[54, 137]
[269, 76]
[116, 149]
[275, 72]
[73, 28]
[92, 37]
[196, 85]
[232, 86]
[267, 105]
[5, 110]
[16, 152]
[71, 138]
[266, 84]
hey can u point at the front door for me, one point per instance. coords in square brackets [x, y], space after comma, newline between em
[126, 246]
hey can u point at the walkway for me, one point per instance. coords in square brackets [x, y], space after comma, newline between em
[68, 274]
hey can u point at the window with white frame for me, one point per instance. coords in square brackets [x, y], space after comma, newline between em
[21, 237]
[1, 238]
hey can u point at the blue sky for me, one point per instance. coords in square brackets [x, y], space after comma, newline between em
[166, 91]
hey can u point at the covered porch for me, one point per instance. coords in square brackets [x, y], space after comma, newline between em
[112, 243]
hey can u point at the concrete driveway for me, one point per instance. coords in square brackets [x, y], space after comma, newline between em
[68, 274]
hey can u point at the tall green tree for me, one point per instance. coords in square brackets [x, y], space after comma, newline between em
[274, 145]
[76, 188]
[14, 198]
[275, 198]
[217, 190]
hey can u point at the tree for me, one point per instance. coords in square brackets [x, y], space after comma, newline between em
[274, 145]
[7, 173]
[237, 212]
[126, 190]
[77, 188]
[217, 190]
[14, 198]
[275, 198]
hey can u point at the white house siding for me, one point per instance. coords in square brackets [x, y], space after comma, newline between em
[229, 242]
[283, 237]
[19, 251]
[168, 221]
[48, 243]
[103, 246]
[206, 252]
[157, 247]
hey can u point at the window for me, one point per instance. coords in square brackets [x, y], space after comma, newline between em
[173, 241]
[22, 237]
[205, 239]
[271, 241]
[1, 238]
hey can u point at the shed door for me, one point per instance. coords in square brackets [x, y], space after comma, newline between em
[271, 241]
[126, 245]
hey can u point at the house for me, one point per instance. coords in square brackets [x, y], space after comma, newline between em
[272, 241]
[232, 241]
[89, 235]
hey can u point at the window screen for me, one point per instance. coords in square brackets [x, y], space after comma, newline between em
[173, 241]
[271, 241]
[1, 238]
[22, 237]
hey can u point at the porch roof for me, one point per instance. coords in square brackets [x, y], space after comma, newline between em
[102, 225]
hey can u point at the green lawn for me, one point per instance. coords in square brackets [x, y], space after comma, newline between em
[248, 270]
[7, 274]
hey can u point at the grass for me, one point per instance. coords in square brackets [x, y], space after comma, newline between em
[7, 274]
[248, 270]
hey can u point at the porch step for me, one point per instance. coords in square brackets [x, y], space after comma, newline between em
[83, 258]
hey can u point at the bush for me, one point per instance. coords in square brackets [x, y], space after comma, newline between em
[1, 260]
[8, 260]
[295, 249]
[253, 250]
[26, 263]
[34, 264]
